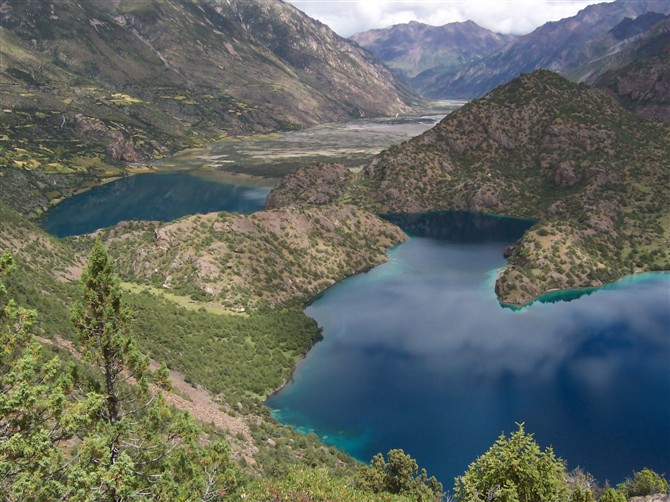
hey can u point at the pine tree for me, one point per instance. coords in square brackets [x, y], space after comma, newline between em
[142, 448]
[103, 325]
[40, 407]
[514, 470]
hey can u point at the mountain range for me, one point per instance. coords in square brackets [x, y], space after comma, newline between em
[577, 47]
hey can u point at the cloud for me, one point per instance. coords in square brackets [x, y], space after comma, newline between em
[347, 17]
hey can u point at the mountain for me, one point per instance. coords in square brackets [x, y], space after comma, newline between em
[641, 82]
[557, 46]
[594, 176]
[628, 41]
[411, 48]
[87, 83]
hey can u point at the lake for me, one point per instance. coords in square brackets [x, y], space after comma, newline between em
[191, 181]
[159, 197]
[418, 354]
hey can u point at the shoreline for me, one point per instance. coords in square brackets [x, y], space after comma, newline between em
[568, 295]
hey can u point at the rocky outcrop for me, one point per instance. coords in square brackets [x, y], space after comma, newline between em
[316, 185]
[658, 497]
[96, 131]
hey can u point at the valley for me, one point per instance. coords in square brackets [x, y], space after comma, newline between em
[241, 258]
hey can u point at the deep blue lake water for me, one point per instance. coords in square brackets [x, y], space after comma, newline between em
[418, 354]
[159, 197]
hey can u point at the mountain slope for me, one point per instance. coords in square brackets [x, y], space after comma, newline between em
[642, 82]
[557, 46]
[414, 47]
[88, 83]
[265, 260]
[595, 176]
[630, 40]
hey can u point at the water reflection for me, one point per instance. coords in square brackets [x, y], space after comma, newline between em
[159, 197]
[418, 355]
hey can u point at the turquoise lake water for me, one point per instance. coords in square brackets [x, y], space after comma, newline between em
[418, 354]
[159, 197]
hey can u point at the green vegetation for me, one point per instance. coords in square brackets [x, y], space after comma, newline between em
[514, 469]
[399, 476]
[243, 358]
[74, 436]
[644, 482]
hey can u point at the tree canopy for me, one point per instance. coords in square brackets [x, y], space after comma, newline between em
[399, 475]
[72, 436]
[514, 469]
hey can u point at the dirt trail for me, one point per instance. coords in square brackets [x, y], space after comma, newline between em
[197, 401]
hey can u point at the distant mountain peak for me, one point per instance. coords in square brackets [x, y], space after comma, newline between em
[410, 48]
[557, 45]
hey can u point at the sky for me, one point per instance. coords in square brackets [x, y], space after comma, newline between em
[518, 17]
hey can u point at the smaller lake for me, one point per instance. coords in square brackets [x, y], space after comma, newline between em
[156, 197]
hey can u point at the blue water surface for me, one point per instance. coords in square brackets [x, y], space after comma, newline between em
[418, 354]
[158, 197]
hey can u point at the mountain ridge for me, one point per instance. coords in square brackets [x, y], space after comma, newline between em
[556, 45]
[413, 47]
[641, 81]
[594, 175]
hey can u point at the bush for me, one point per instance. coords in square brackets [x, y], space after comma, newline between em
[612, 495]
[644, 482]
[514, 470]
[399, 476]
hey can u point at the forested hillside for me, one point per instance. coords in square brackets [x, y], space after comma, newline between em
[540, 147]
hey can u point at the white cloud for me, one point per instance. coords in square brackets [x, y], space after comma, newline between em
[347, 17]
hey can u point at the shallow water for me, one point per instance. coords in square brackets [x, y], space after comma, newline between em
[418, 354]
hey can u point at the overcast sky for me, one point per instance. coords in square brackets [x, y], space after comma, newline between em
[347, 17]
